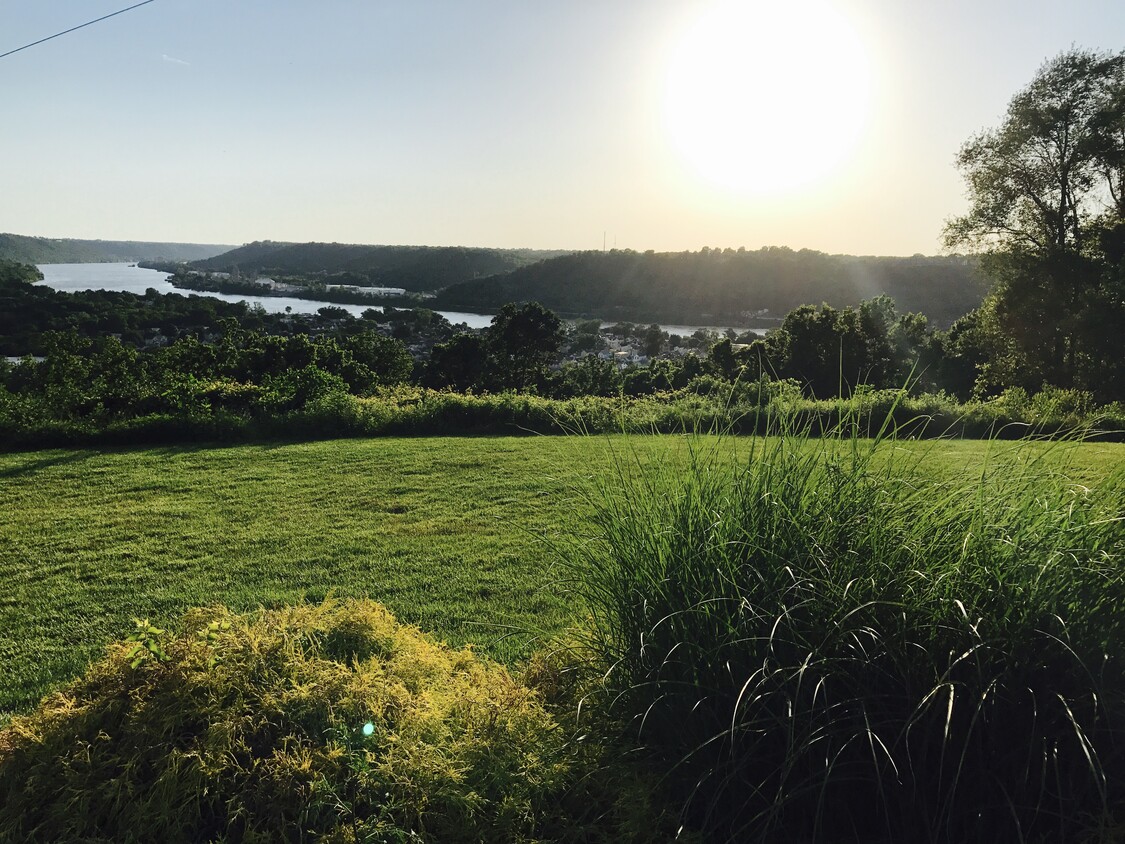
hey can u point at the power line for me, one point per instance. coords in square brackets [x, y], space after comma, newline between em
[80, 26]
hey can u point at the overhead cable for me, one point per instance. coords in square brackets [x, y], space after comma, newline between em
[80, 26]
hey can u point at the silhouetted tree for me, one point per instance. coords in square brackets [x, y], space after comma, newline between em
[1047, 193]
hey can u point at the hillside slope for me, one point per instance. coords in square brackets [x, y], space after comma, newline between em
[409, 267]
[725, 286]
[50, 250]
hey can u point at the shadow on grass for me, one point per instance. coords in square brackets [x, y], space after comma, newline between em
[30, 466]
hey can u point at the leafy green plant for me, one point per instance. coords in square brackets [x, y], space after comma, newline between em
[210, 636]
[147, 644]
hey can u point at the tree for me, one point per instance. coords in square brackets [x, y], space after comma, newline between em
[386, 358]
[832, 352]
[589, 376]
[1047, 207]
[653, 340]
[722, 361]
[586, 336]
[522, 342]
[1038, 180]
[461, 363]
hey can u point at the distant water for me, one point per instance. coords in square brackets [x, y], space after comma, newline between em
[71, 278]
[130, 279]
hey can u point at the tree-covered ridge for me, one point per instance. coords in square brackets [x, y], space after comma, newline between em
[48, 250]
[726, 286]
[409, 267]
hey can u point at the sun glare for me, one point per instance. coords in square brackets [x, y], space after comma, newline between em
[767, 98]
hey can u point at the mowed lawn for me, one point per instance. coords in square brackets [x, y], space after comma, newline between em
[464, 537]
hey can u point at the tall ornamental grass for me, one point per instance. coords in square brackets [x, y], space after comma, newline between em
[826, 642]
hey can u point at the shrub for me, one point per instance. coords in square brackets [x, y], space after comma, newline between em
[827, 644]
[228, 395]
[295, 388]
[309, 402]
[328, 722]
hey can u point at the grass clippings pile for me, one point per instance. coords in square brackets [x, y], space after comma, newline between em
[329, 722]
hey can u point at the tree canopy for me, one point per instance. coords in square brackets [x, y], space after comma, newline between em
[1055, 168]
[1047, 206]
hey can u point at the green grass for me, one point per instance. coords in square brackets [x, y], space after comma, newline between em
[452, 534]
[837, 640]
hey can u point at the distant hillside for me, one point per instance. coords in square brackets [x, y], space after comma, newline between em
[49, 250]
[725, 286]
[409, 267]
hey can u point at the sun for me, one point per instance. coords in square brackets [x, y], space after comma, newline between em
[767, 98]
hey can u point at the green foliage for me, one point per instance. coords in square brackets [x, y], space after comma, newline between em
[832, 353]
[147, 643]
[210, 635]
[378, 360]
[589, 376]
[29, 312]
[1047, 191]
[460, 363]
[842, 640]
[310, 403]
[247, 377]
[522, 341]
[1037, 181]
[331, 721]
[296, 388]
[13, 274]
[514, 352]
[586, 336]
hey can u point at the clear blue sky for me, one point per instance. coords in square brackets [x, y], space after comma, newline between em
[539, 123]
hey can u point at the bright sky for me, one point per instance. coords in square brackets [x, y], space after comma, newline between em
[664, 124]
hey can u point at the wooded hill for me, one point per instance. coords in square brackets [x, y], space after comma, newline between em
[414, 268]
[725, 286]
[50, 250]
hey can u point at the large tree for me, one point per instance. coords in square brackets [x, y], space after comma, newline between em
[523, 341]
[1047, 209]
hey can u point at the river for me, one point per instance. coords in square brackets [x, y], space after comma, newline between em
[71, 278]
[127, 278]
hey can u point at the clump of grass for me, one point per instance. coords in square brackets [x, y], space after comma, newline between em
[826, 642]
[329, 722]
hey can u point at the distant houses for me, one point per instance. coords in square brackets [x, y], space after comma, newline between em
[368, 291]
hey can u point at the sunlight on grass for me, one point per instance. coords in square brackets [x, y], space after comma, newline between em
[456, 535]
